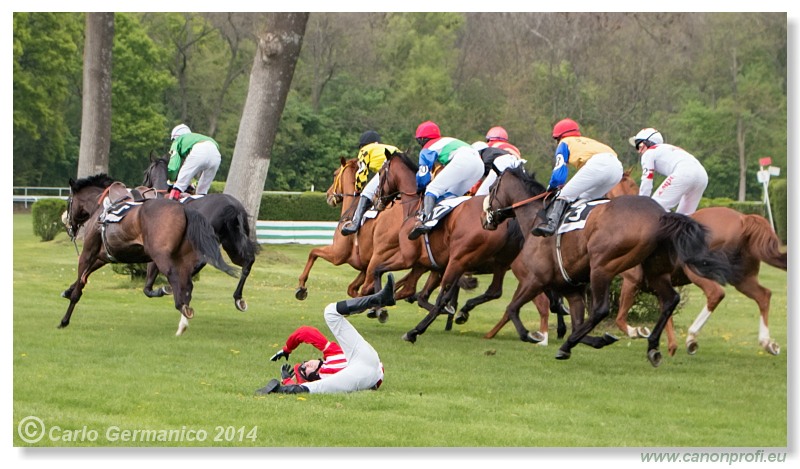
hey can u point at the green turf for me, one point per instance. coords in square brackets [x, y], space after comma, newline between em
[119, 368]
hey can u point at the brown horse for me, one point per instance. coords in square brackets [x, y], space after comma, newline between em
[454, 249]
[747, 240]
[599, 252]
[178, 239]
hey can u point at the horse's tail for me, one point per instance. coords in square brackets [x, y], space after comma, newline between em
[234, 220]
[763, 242]
[689, 243]
[201, 235]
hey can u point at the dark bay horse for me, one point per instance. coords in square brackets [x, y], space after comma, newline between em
[456, 248]
[747, 241]
[227, 216]
[176, 238]
[619, 235]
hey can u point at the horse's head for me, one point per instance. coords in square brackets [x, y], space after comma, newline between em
[513, 185]
[397, 178]
[83, 200]
[626, 186]
[155, 175]
[344, 182]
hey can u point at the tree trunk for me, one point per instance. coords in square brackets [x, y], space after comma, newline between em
[96, 113]
[273, 67]
[740, 140]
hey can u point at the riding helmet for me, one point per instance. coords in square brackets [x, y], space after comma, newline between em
[648, 134]
[566, 128]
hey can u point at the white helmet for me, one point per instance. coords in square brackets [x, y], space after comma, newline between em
[478, 146]
[179, 130]
[648, 134]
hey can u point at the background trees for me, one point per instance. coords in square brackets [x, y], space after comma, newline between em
[713, 83]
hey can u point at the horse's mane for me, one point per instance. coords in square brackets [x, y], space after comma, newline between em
[530, 182]
[407, 161]
[101, 180]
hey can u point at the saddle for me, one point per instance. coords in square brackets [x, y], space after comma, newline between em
[117, 200]
[443, 208]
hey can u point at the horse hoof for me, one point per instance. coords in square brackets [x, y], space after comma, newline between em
[462, 317]
[372, 313]
[643, 332]
[166, 290]
[62, 325]
[562, 355]
[654, 356]
[187, 312]
[771, 347]
[241, 305]
[410, 337]
[301, 293]
[609, 339]
[534, 337]
[383, 316]
[691, 347]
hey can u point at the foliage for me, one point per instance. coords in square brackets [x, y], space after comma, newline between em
[721, 79]
[46, 215]
[307, 206]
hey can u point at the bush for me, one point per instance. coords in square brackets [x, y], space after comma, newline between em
[47, 218]
[306, 206]
[645, 309]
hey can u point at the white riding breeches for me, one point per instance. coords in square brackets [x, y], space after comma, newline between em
[463, 170]
[372, 187]
[684, 188]
[602, 172]
[202, 162]
[364, 368]
[502, 163]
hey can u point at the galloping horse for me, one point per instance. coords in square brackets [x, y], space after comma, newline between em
[599, 252]
[747, 240]
[227, 216]
[454, 249]
[179, 240]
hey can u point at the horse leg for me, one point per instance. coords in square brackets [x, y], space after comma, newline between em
[352, 289]
[668, 299]
[238, 301]
[442, 302]
[87, 263]
[631, 279]
[152, 274]
[762, 296]
[333, 253]
[600, 283]
[524, 293]
[577, 311]
[556, 307]
[493, 292]
[714, 295]
[431, 284]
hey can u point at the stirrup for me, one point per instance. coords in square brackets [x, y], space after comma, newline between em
[418, 231]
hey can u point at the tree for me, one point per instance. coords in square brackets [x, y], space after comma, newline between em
[279, 44]
[96, 116]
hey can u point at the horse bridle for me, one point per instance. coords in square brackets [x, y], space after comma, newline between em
[338, 192]
[497, 216]
[389, 199]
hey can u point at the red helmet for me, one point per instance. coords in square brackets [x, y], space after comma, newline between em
[428, 129]
[497, 133]
[566, 128]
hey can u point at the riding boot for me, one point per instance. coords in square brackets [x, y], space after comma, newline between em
[427, 209]
[352, 226]
[554, 212]
[275, 386]
[385, 297]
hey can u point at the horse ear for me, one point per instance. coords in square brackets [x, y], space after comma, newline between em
[342, 160]
[71, 182]
[153, 156]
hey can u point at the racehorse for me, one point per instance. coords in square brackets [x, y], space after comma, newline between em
[178, 239]
[454, 249]
[747, 240]
[357, 249]
[599, 252]
[227, 216]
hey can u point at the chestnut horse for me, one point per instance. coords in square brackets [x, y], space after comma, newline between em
[455, 248]
[599, 252]
[178, 239]
[747, 240]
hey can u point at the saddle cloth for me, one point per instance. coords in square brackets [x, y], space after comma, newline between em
[116, 213]
[443, 208]
[577, 213]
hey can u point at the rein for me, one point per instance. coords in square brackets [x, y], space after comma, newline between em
[528, 200]
[337, 183]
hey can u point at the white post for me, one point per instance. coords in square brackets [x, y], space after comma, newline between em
[763, 178]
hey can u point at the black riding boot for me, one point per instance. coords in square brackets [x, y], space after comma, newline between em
[385, 297]
[352, 226]
[275, 386]
[554, 212]
[427, 209]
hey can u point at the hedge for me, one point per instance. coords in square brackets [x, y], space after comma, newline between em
[46, 214]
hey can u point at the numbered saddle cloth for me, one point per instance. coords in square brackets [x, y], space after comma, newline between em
[576, 215]
[443, 208]
[117, 212]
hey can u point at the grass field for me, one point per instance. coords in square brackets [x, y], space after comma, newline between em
[118, 371]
